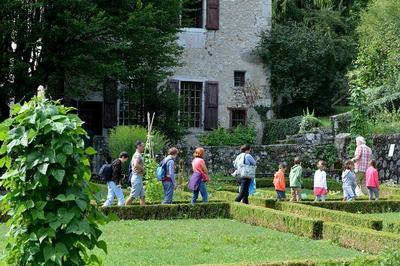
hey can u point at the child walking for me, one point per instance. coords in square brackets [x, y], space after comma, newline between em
[279, 182]
[320, 186]
[296, 179]
[349, 181]
[372, 180]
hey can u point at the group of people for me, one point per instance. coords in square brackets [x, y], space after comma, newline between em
[137, 171]
[359, 177]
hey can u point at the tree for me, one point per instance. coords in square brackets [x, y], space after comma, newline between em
[378, 59]
[72, 46]
[308, 51]
[308, 63]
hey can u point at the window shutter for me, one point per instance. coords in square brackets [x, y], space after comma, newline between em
[110, 99]
[212, 15]
[174, 85]
[211, 105]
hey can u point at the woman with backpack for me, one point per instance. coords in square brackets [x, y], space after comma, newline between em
[168, 180]
[198, 181]
[245, 171]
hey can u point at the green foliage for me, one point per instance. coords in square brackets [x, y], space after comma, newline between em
[309, 122]
[84, 43]
[277, 220]
[278, 129]
[386, 121]
[229, 137]
[378, 61]
[171, 211]
[331, 215]
[123, 138]
[359, 112]
[52, 219]
[154, 188]
[321, 41]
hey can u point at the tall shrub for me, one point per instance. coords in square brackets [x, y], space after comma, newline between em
[52, 220]
[123, 138]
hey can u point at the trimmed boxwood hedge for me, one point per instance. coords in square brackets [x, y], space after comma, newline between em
[308, 183]
[173, 211]
[277, 220]
[390, 192]
[330, 215]
[307, 262]
[257, 201]
[359, 206]
[360, 238]
[278, 129]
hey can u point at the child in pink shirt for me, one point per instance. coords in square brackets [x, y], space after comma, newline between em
[372, 180]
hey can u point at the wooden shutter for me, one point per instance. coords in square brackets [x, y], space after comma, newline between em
[110, 100]
[174, 85]
[211, 105]
[212, 15]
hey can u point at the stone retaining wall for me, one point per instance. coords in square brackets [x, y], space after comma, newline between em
[389, 167]
[219, 159]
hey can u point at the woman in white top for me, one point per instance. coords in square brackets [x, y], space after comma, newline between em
[320, 185]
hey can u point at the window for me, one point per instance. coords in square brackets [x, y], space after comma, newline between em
[131, 105]
[238, 117]
[239, 78]
[191, 94]
[193, 14]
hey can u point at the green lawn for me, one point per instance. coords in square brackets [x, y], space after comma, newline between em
[188, 242]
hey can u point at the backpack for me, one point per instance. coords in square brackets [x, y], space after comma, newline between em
[161, 171]
[105, 172]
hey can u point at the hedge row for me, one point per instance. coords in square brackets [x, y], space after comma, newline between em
[360, 238]
[277, 220]
[257, 201]
[330, 215]
[307, 262]
[308, 183]
[390, 192]
[359, 206]
[173, 211]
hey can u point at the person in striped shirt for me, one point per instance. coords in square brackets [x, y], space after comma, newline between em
[362, 157]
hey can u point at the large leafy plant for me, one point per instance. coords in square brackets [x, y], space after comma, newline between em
[48, 200]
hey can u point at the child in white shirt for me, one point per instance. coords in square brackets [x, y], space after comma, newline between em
[320, 185]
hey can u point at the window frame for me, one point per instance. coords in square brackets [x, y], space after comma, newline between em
[242, 82]
[231, 110]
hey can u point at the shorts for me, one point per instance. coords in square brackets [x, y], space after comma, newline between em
[137, 189]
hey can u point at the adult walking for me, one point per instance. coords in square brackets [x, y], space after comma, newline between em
[362, 157]
[113, 185]
[244, 172]
[198, 181]
[137, 164]
[169, 182]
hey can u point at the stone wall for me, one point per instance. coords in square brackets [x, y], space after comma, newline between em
[315, 137]
[214, 55]
[219, 159]
[389, 167]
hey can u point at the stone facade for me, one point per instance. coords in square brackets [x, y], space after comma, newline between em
[214, 55]
[388, 166]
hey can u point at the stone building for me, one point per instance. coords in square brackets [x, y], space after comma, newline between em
[221, 79]
[219, 69]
